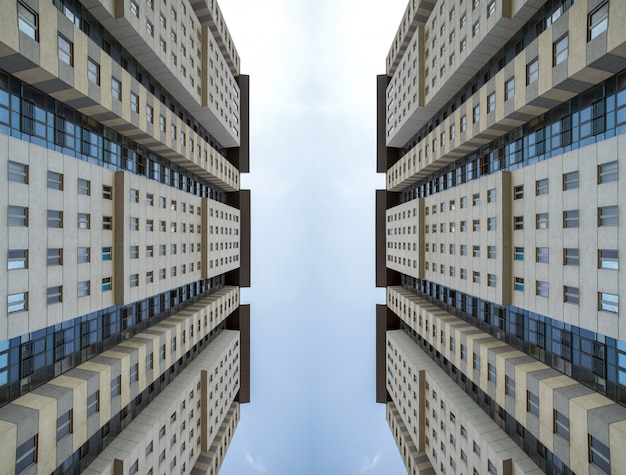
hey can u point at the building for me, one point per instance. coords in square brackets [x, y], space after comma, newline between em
[125, 236]
[501, 236]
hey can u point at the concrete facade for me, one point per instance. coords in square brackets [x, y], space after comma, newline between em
[125, 237]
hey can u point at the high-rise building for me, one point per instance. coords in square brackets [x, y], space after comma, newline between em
[124, 237]
[501, 237]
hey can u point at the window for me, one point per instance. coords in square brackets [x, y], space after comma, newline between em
[84, 221]
[149, 114]
[570, 219]
[491, 224]
[491, 102]
[55, 181]
[541, 288]
[84, 288]
[17, 216]
[134, 102]
[93, 71]
[532, 71]
[598, 21]
[608, 302]
[150, 28]
[607, 172]
[518, 222]
[463, 249]
[17, 259]
[106, 284]
[134, 373]
[106, 254]
[84, 187]
[93, 403]
[476, 361]
[134, 280]
[608, 259]
[571, 294]
[27, 21]
[570, 256]
[542, 221]
[134, 224]
[149, 277]
[475, 251]
[134, 8]
[570, 180]
[84, 255]
[26, 454]
[519, 284]
[509, 89]
[518, 192]
[65, 50]
[18, 172]
[476, 28]
[476, 225]
[116, 89]
[476, 448]
[491, 252]
[55, 218]
[542, 255]
[608, 216]
[107, 192]
[532, 403]
[64, 425]
[491, 280]
[599, 454]
[541, 187]
[509, 387]
[54, 294]
[134, 195]
[55, 257]
[476, 114]
[519, 254]
[107, 222]
[560, 50]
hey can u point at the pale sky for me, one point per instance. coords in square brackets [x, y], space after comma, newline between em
[313, 67]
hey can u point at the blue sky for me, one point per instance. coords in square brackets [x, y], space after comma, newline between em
[313, 67]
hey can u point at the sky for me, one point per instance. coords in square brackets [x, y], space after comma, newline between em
[313, 67]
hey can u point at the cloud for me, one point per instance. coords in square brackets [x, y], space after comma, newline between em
[257, 463]
[369, 463]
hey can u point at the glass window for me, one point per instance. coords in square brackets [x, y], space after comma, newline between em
[55, 181]
[532, 71]
[18, 259]
[598, 21]
[84, 221]
[65, 50]
[560, 50]
[84, 254]
[519, 284]
[518, 192]
[84, 288]
[18, 172]
[134, 280]
[608, 259]
[542, 221]
[570, 219]
[84, 187]
[541, 187]
[93, 403]
[607, 172]
[106, 254]
[570, 180]
[64, 425]
[107, 192]
[134, 102]
[542, 288]
[106, 284]
[17, 302]
[491, 102]
[542, 255]
[116, 89]
[26, 454]
[509, 388]
[27, 21]
[509, 89]
[599, 454]
[570, 256]
[519, 254]
[17, 216]
[608, 216]
[55, 218]
[608, 302]
[532, 403]
[93, 71]
[571, 294]
[55, 257]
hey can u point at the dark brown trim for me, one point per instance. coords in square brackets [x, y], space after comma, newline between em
[240, 321]
[385, 320]
[240, 156]
[385, 156]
